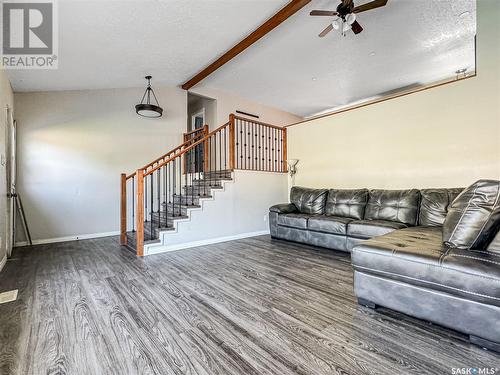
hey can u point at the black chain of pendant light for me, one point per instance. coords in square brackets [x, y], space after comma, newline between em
[146, 108]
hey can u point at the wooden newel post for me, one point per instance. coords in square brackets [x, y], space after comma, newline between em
[232, 157]
[205, 149]
[123, 210]
[284, 150]
[140, 213]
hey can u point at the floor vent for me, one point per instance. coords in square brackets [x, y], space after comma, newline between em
[9, 296]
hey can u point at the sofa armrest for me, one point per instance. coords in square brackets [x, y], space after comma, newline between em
[284, 208]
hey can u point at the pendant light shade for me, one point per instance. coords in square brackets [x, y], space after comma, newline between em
[146, 108]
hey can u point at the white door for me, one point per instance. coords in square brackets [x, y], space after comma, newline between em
[10, 154]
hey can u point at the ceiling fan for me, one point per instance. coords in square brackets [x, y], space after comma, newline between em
[346, 13]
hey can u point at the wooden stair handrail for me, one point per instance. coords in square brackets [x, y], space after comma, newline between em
[257, 122]
[204, 139]
[184, 144]
[195, 130]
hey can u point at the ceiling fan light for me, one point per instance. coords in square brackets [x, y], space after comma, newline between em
[336, 25]
[346, 27]
[350, 18]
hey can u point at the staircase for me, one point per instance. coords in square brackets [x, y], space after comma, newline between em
[156, 197]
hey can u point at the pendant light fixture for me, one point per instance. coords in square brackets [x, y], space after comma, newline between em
[146, 108]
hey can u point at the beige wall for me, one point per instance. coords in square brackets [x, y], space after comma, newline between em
[446, 136]
[6, 99]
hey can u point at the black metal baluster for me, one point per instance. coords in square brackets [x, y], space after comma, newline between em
[213, 166]
[245, 143]
[151, 204]
[180, 183]
[259, 129]
[174, 190]
[255, 150]
[202, 168]
[240, 155]
[275, 150]
[220, 156]
[280, 150]
[185, 183]
[158, 192]
[225, 148]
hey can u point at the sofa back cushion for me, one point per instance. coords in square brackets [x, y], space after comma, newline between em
[434, 205]
[494, 245]
[393, 205]
[346, 203]
[308, 201]
[473, 218]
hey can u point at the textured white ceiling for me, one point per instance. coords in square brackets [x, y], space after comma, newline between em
[404, 44]
[110, 44]
[114, 44]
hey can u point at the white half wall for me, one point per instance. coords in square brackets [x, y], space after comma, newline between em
[239, 210]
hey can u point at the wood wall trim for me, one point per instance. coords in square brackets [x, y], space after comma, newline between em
[286, 12]
[383, 99]
[123, 210]
[140, 213]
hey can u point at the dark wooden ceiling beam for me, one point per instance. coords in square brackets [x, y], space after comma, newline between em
[286, 12]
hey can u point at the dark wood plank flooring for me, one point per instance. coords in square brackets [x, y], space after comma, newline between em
[253, 306]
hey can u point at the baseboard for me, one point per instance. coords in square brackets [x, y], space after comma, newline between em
[69, 238]
[158, 249]
[2, 262]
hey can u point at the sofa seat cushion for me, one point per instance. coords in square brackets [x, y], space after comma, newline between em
[418, 256]
[293, 220]
[372, 228]
[329, 224]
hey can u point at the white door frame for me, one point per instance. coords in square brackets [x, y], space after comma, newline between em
[10, 177]
[200, 113]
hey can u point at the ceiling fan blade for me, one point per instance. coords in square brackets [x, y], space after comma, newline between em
[326, 31]
[368, 6]
[356, 27]
[329, 13]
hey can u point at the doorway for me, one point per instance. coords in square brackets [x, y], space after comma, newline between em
[201, 111]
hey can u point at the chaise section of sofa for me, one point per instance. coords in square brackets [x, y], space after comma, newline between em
[415, 271]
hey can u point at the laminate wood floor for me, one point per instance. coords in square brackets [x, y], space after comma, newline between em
[253, 306]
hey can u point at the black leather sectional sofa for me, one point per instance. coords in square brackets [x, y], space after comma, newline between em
[400, 255]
